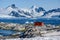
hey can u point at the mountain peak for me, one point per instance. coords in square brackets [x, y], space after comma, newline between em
[13, 6]
[37, 9]
[34, 6]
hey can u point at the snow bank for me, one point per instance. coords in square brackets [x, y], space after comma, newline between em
[38, 38]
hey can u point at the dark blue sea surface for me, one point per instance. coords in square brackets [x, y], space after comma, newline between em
[9, 32]
[54, 21]
[6, 32]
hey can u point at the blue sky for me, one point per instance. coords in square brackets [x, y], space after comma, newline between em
[46, 4]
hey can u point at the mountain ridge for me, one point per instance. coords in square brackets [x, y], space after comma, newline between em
[33, 12]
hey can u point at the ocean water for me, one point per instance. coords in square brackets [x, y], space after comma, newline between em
[54, 21]
[6, 32]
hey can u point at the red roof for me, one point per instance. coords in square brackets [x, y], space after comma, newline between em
[38, 24]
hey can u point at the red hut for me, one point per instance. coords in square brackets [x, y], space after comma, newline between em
[38, 23]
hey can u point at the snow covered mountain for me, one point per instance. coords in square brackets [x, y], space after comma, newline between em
[37, 11]
[54, 13]
[34, 12]
[13, 11]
